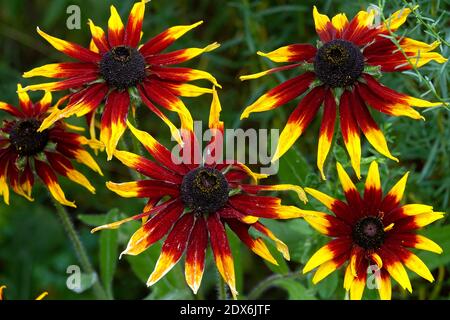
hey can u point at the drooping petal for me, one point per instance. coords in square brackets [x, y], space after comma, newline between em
[173, 248]
[195, 254]
[182, 74]
[71, 49]
[144, 189]
[47, 175]
[326, 131]
[180, 56]
[269, 71]
[291, 53]
[114, 120]
[71, 83]
[396, 20]
[281, 94]
[80, 155]
[333, 249]
[186, 89]
[116, 29]
[221, 251]
[281, 246]
[99, 37]
[166, 38]
[299, 120]
[134, 24]
[350, 132]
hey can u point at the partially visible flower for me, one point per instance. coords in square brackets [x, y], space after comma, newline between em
[24, 151]
[373, 232]
[116, 68]
[342, 72]
[194, 202]
[40, 297]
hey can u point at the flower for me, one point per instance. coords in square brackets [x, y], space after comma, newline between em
[25, 151]
[115, 67]
[342, 72]
[40, 297]
[192, 202]
[371, 231]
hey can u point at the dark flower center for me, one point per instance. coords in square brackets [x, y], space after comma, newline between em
[204, 190]
[369, 233]
[122, 67]
[25, 138]
[338, 63]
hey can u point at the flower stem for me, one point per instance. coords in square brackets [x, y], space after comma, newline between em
[80, 250]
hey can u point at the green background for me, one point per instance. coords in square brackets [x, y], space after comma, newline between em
[35, 252]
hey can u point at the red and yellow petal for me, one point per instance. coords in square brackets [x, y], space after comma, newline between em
[254, 189]
[44, 104]
[299, 120]
[323, 25]
[372, 191]
[221, 251]
[116, 29]
[412, 262]
[384, 285]
[291, 53]
[71, 83]
[186, 89]
[280, 245]
[71, 49]
[144, 189]
[134, 24]
[281, 94]
[395, 268]
[325, 269]
[266, 72]
[114, 120]
[395, 195]
[47, 175]
[24, 101]
[327, 224]
[173, 248]
[11, 110]
[178, 74]
[166, 38]
[340, 23]
[180, 56]
[350, 191]
[195, 255]
[332, 250]
[98, 37]
[412, 240]
[396, 20]
[326, 131]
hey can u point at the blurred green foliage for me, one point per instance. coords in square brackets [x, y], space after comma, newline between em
[35, 253]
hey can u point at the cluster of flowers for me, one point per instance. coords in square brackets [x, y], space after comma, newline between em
[191, 204]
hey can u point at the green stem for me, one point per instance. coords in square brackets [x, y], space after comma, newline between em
[80, 250]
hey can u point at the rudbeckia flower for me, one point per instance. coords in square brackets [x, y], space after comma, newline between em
[342, 72]
[40, 297]
[24, 151]
[198, 200]
[373, 232]
[116, 68]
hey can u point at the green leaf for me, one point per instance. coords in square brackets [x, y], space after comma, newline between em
[295, 290]
[93, 220]
[109, 252]
[328, 286]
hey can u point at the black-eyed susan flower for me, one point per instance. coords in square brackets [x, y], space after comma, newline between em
[116, 68]
[24, 151]
[40, 297]
[198, 200]
[373, 233]
[340, 72]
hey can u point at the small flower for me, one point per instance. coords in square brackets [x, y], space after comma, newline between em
[193, 203]
[341, 72]
[116, 68]
[40, 297]
[25, 151]
[371, 231]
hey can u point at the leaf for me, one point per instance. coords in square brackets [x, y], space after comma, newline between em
[328, 286]
[295, 290]
[109, 252]
[93, 220]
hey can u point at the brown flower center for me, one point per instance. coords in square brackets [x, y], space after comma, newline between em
[369, 233]
[25, 138]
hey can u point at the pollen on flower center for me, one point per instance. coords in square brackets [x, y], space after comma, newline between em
[338, 63]
[25, 138]
[204, 190]
[122, 67]
[369, 233]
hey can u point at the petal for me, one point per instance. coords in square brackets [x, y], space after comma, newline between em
[116, 29]
[395, 195]
[281, 94]
[323, 25]
[71, 49]
[266, 72]
[157, 150]
[327, 224]
[186, 89]
[81, 155]
[413, 240]
[370, 128]
[326, 131]
[44, 104]
[299, 120]
[147, 167]
[180, 56]
[360, 29]
[79, 103]
[71, 83]
[195, 255]
[328, 267]
[1, 291]
[339, 22]
[412, 262]
[291, 53]
[372, 191]
[396, 19]
[395, 268]
[114, 120]
[281, 246]
[384, 285]
[333, 249]
[134, 24]
[182, 74]
[11, 109]
[24, 101]
[417, 221]
[47, 175]
[350, 132]
[256, 245]
[350, 191]
[144, 188]
[254, 189]
[99, 37]
[173, 248]
[166, 38]
[221, 251]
